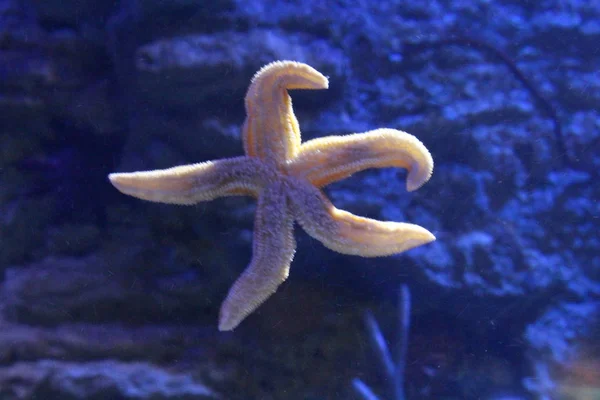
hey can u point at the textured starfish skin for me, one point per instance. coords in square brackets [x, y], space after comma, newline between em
[286, 176]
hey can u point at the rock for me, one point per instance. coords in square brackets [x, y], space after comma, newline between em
[81, 341]
[53, 380]
[93, 289]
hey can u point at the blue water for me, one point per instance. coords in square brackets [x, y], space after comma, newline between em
[107, 296]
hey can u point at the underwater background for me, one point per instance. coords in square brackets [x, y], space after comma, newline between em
[103, 296]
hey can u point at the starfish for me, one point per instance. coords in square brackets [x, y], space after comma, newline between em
[286, 177]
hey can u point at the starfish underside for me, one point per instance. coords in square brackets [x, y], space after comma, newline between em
[286, 177]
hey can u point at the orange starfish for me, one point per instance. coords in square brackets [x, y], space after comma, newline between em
[286, 177]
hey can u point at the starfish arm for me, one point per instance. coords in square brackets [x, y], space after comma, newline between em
[329, 159]
[273, 250]
[190, 184]
[271, 130]
[347, 233]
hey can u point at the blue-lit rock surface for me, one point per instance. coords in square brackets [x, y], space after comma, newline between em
[100, 291]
